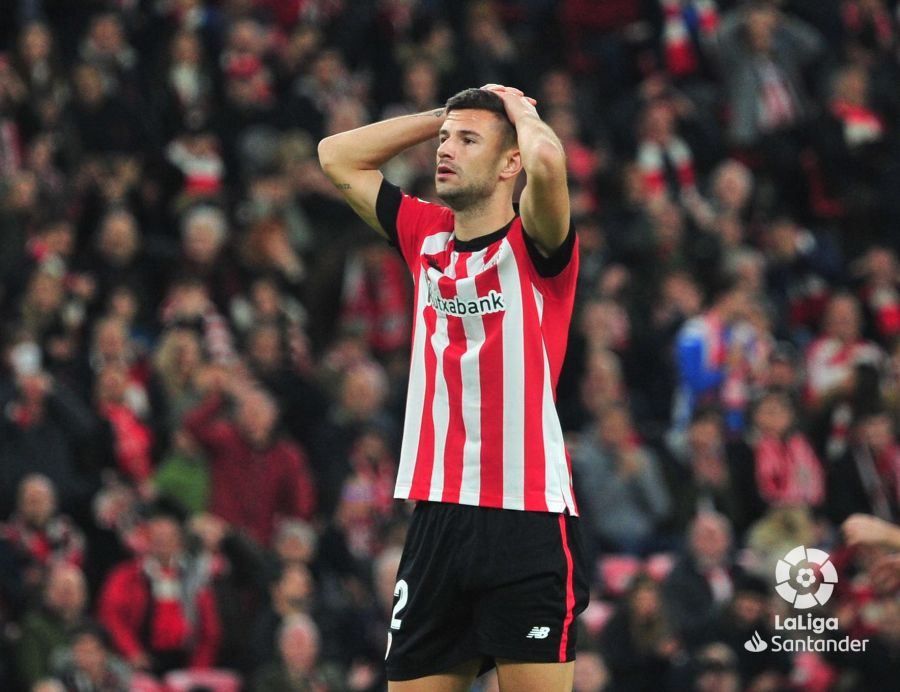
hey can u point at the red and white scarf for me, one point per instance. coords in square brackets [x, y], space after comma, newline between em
[650, 162]
[778, 107]
[861, 125]
[788, 472]
[681, 57]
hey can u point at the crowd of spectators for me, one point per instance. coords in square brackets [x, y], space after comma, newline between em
[204, 353]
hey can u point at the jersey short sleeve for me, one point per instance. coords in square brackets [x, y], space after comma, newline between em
[408, 220]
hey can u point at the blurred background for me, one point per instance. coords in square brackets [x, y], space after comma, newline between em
[204, 352]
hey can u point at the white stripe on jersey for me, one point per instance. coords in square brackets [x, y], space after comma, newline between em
[551, 465]
[440, 413]
[471, 388]
[513, 382]
[557, 470]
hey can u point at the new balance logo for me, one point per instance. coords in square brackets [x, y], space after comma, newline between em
[538, 633]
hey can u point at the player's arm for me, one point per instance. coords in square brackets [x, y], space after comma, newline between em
[544, 204]
[351, 159]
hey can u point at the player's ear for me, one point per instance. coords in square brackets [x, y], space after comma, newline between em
[512, 163]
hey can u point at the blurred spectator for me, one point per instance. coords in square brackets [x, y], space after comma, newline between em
[188, 305]
[132, 438]
[41, 431]
[880, 293]
[867, 479]
[664, 158]
[106, 47]
[256, 474]
[37, 63]
[204, 253]
[41, 537]
[297, 667]
[712, 352]
[786, 469]
[194, 154]
[90, 665]
[295, 542]
[186, 86]
[291, 592]
[716, 669]
[277, 356]
[620, 486]
[160, 617]
[639, 643]
[712, 477]
[233, 566]
[117, 257]
[841, 369]
[762, 54]
[50, 627]
[375, 299]
[359, 406]
[748, 613]
[703, 580]
[177, 359]
[868, 29]
[591, 673]
[267, 250]
[102, 119]
[801, 267]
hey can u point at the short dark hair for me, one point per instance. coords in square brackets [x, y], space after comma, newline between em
[483, 100]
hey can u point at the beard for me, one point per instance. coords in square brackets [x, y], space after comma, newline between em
[464, 197]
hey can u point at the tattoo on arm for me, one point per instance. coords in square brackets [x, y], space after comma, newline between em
[342, 186]
[438, 113]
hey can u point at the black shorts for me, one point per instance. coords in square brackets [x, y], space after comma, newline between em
[476, 582]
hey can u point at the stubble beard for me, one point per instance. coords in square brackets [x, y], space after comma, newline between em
[465, 198]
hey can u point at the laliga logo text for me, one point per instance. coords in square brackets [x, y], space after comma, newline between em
[805, 578]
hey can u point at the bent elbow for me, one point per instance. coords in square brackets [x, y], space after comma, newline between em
[327, 153]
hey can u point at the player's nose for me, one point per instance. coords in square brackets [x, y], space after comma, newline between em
[444, 150]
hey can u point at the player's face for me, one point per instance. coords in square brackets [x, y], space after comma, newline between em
[469, 158]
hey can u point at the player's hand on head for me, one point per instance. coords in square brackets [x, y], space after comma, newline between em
[506, 91]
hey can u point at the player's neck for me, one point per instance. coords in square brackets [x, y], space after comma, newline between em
[482, 219]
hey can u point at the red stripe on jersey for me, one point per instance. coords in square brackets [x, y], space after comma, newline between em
[421, 482]
[456, 432]
[535, 458]
[490, 375]
[570, 591]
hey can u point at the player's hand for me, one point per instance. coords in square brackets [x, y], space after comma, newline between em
[500, 90]
[885, 573]
[868, 530]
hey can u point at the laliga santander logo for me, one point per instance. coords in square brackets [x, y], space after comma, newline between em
[805, 578]
[799, 568]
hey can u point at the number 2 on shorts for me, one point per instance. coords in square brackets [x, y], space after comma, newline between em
[401, 591]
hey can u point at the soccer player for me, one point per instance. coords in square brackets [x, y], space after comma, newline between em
[492, 571]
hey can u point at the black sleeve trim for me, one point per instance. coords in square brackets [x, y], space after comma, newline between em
[387, 207]
[554, 264]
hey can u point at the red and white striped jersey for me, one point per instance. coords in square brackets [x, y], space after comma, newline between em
[488, 340]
